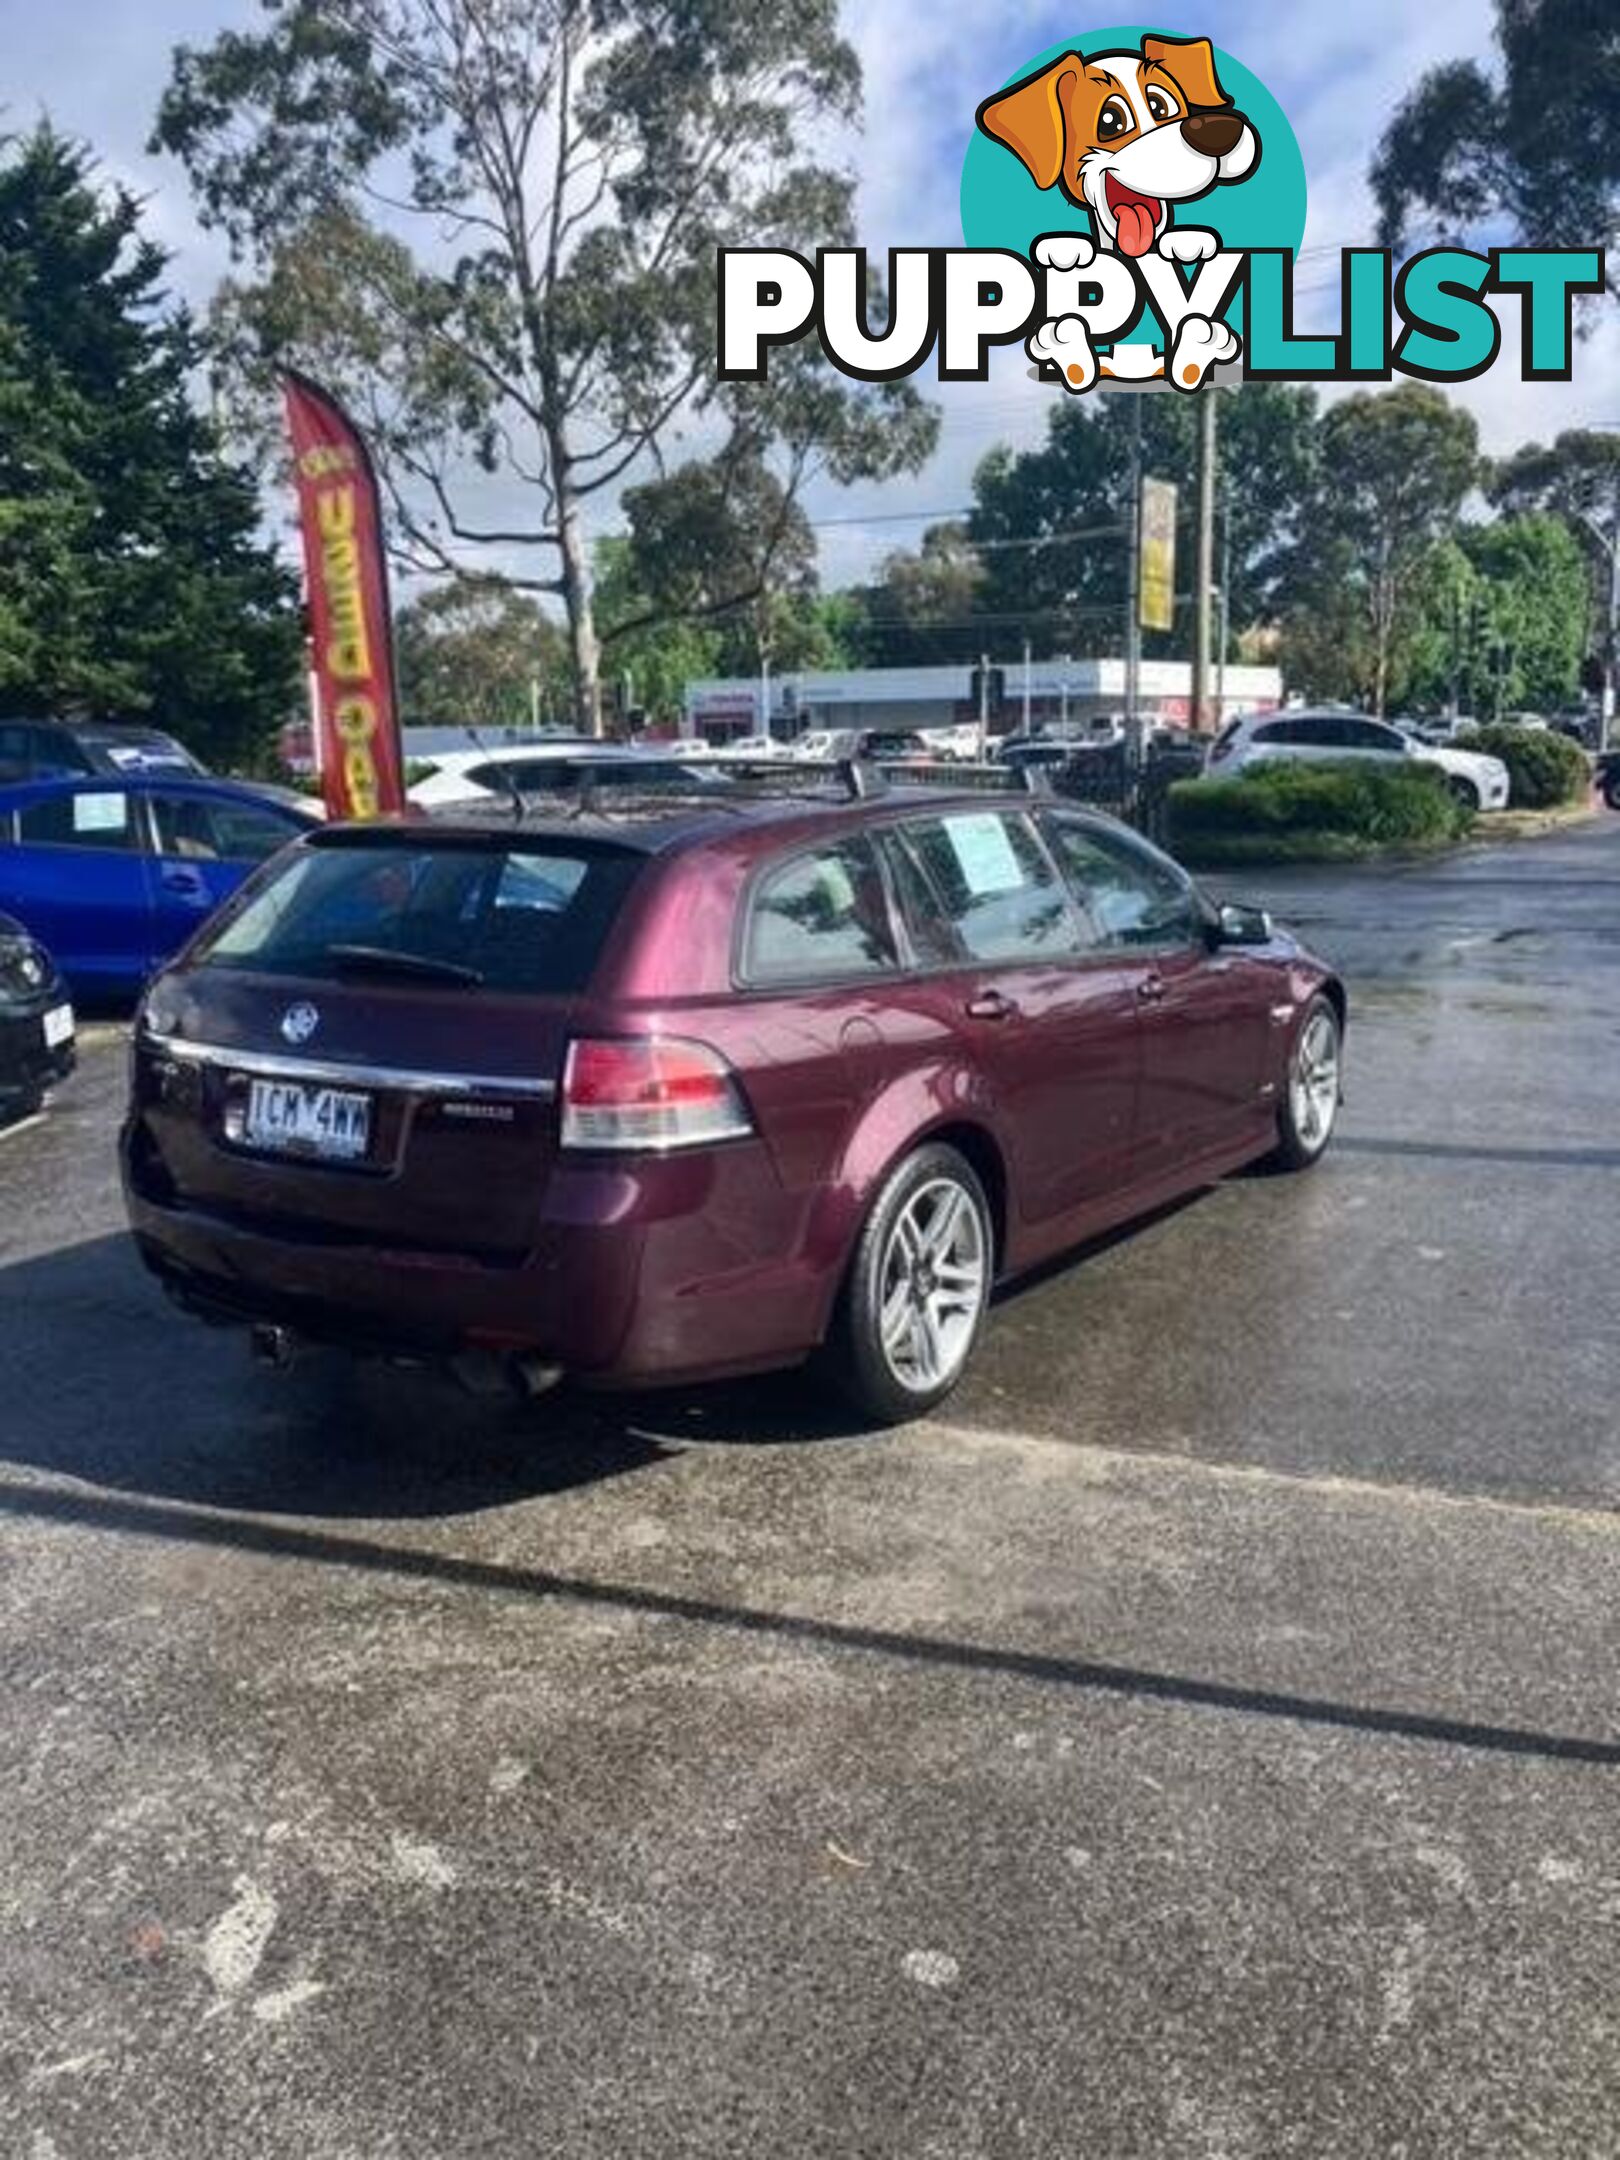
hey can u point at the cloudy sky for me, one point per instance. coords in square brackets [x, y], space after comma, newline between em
[97, 67]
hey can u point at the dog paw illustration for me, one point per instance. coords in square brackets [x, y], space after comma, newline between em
[1065, 344]
[1189, 245]
[1065, 251]
[1200, 345]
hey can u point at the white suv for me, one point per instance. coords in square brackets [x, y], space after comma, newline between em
[1329, 737]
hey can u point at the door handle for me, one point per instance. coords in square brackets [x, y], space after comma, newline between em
[184, 884]
[1150, 989]
[990, 1005]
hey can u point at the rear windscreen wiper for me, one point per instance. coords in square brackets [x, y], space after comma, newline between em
[379, 960]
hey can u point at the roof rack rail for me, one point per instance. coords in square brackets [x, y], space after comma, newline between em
[862, 778]
[1035, 779]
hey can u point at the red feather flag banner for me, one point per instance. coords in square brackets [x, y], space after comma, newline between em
[356, 717]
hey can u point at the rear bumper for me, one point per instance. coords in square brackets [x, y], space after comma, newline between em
[681, 1268]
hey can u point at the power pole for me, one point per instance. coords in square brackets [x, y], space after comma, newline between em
[1205, 575]
[984, 707]
[1026, 685]
[1226, 604]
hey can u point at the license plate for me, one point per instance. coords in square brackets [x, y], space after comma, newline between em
[293, 1119]
[58, 1026]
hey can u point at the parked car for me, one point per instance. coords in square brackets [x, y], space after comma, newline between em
[460, 778]
[824, 746]
[115, 875]
[954, 745]
[892, 746]
[53, 749]
[756, 747]
[36, 1023]
[1478, 780]
[712, 1092]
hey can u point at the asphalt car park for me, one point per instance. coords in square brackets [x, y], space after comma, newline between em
[1203, 1738]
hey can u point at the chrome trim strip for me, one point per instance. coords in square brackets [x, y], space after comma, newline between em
[402, 1080]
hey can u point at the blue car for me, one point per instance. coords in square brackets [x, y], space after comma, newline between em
[114, 874]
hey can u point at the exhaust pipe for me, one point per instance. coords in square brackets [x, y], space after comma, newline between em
[272, 1345]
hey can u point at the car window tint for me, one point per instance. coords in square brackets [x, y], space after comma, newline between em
[94, 818]
[1131, 898]
[822, 915]
[994, 885]
[1371, 735]
[933, 941]
[524, 918]
[1274, 731]
[57, 756]
[16, 751]
[199, 831]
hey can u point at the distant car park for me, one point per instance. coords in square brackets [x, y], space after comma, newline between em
[463, 779]
[113, 876]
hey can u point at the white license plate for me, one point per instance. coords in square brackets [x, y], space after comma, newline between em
[298, 1120]
[58, 1026]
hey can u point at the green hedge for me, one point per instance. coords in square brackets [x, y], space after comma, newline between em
[1298, 812]
[1544, 768]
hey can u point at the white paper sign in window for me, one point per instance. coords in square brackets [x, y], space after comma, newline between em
[100, 813]
[984, 854]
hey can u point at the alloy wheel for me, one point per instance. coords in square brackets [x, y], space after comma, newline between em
[933, 1281]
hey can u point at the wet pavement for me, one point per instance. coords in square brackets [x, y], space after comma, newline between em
[1204, 1741]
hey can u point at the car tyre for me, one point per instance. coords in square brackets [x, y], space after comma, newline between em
[914, 1301]
[1611, 791]
[1465, 792]
[1312, 1088]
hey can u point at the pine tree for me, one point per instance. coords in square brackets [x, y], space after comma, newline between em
[133, 580]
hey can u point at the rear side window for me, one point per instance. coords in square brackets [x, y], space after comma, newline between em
[821, 917]
[518, 918]
[95, 818]
[988, 876]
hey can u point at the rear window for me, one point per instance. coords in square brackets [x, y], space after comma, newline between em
[526, 917]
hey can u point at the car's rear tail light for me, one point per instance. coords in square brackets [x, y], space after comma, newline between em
[650, 1093]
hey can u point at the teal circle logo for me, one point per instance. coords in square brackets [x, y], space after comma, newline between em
[1015, 186]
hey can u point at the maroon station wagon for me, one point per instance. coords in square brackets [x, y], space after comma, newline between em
[706, 1091]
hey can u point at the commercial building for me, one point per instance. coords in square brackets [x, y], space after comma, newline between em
[932, 697]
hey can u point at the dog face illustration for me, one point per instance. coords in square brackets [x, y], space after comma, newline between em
[1126, 134]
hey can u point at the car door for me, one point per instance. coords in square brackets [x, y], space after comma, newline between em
[1204, 1013]
[1050, 1025]
[77, 877]
[203, 846]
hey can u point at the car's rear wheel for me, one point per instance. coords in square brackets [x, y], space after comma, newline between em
[1310, 1099]
[914, 1301]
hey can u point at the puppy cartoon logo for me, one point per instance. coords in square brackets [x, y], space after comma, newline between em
[1126, 136]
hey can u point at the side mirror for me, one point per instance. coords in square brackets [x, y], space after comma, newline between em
[1236, 925]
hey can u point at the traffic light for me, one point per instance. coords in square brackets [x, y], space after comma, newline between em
[1592, 673]
[989, 697]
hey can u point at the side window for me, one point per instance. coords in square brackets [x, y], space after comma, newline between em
[1373, 735]
[1131, 898]
[1274, 731]
[994, 885]
[933, 940]
[821, 916]
[92, 818]
[218, 831]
